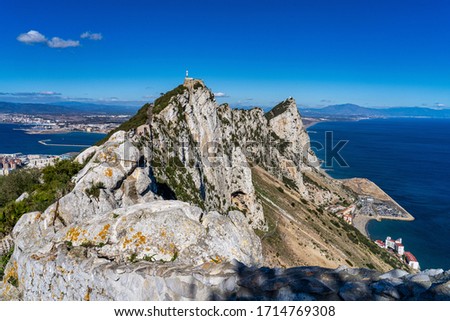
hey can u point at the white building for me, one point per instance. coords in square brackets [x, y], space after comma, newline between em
[412, 261]
[42, 161]
[395, 245]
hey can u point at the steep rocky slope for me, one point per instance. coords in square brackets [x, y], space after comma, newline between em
[174, 195]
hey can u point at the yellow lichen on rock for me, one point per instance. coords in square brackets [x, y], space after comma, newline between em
[217, 259]
[104, 232]
[125, 243]
[74, 233]
[11, 275]
[87, 296]
[140, 239]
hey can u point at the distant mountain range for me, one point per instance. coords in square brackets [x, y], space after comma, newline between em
[344, 111]
[355, 111]
[69, 107]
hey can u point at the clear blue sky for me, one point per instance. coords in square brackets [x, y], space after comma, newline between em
[373, 53]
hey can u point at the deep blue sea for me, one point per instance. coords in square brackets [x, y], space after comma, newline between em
[17, 141]
[410, 160]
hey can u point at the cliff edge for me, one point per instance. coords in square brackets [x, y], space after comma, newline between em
[187, 200]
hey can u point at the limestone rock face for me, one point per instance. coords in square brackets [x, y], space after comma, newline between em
[191, 148]
[111, 178]
[141, 238]
[74, 274]
[159, 211]
[210, 148]
[114, 215]
[288, 126]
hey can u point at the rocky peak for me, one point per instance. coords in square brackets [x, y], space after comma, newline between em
[216, 145]
[173, 184]
[287, 106]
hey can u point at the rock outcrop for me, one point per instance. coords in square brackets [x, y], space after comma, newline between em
[161, 208]
[207, 147]
[114, 216]
[78, 276]
[123, 208]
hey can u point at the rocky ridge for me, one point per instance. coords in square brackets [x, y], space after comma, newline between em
[163, 207]
[208, 147]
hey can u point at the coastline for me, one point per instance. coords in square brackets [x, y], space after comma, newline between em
[365, 188]
[361, 222]
[53, 132]
[17, 141]
[44, 142]
[309, 122]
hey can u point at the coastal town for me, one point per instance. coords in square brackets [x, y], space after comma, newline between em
[367, 208]
[54, 124]
[11, 162]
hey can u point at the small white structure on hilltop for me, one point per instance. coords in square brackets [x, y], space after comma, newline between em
[192, 83]
[187, 78]
[395, 245]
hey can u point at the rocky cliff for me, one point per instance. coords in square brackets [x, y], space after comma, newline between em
[208, 148]
[166, 202]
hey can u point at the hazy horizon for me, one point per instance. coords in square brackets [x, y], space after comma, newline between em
[322, 53]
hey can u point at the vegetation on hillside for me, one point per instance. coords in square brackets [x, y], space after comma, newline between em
[164, 100]
[3, 261]
[174, 180]
[311, 235]
[44, 187]
[16, 183]
[277, 110]
[137, 120]
[141, 116]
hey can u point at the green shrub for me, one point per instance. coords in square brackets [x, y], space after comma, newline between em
[94, 190]
[56, 183]
[17, 182]
[289, 183]
[163, 101]
[3, 261]
[198, 85]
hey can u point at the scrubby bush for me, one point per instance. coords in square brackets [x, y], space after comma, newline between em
[94, 190]
[17, 182]
[45, 187]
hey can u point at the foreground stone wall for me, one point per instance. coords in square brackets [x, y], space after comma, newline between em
[98, 279]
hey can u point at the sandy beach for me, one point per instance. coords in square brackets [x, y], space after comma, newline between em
[361, 221]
